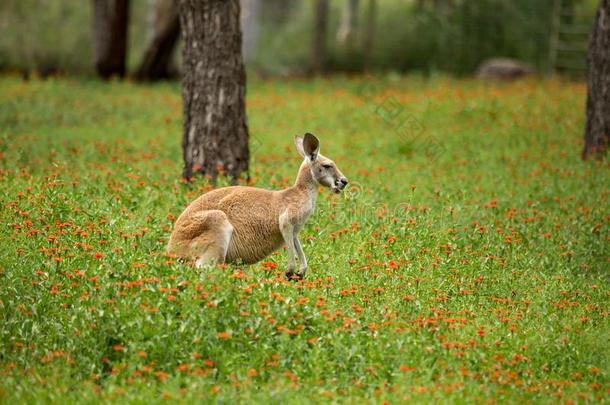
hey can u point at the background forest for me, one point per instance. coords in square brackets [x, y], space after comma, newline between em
[452, 36]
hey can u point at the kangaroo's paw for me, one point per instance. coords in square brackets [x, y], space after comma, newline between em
[301, 273]
[291, 275]
[294, 277]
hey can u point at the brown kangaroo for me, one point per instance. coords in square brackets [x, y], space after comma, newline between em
[247, 224]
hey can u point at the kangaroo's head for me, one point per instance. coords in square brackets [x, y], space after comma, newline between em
[323, 170]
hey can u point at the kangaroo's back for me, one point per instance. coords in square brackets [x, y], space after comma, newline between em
[253, 214]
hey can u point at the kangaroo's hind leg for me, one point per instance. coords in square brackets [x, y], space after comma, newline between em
[211, 246]
[205, 237]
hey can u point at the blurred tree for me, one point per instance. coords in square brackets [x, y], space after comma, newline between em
[437, 5]
[157, 61]
[250, 10]
[214, 86]
[320, 28]
[369, 34]
[279, 12]
[110, 21]
[349, 24]
[597, 133]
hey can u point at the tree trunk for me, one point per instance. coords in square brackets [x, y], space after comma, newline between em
[597, 133]
[349, 24]
[156, 64]
[110, 21]
[319, 38]
[250, 10]
[213, 90]
[369, 35]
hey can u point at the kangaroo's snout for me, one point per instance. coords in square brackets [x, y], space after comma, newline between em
[340, 185]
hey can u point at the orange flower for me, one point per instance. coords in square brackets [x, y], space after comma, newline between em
[407, 369]
[293, 378]
[161, 375]
[239, 275]
[224, 335]
[268, 265]
[492, 204]
[183, 368]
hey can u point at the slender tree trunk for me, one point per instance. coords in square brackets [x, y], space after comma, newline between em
[319, 38]
[597, 133]
[213, 89]
[157, 60]
[349, 24]
[250, 10]
[110, 21]
[369, 35]
[151, 19]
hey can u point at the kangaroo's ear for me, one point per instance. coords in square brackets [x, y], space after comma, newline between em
[298, 142]
[311, 146]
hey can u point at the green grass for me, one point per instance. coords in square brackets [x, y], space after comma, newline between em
[468, 264]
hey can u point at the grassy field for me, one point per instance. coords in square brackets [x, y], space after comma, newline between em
[468, 261]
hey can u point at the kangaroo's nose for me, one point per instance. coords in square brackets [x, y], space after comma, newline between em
[343, 182]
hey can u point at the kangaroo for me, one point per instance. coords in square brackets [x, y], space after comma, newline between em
[247, 224]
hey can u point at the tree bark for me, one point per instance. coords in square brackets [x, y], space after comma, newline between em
[157, 61]
[319, 38]
[215, 137]
[110, 21]
[597, 132]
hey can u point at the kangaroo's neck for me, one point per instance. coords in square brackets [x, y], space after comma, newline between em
[305, 184]
[305, 180]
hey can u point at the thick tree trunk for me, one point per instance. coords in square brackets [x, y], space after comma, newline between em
[318, 56]
[597, 133]
[213, 90]
[157, 60]
[110, 21]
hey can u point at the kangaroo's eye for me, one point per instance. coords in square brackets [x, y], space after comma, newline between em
[327, 166]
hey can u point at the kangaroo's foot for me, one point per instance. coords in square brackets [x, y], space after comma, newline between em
[290, 272]
[292, 276]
